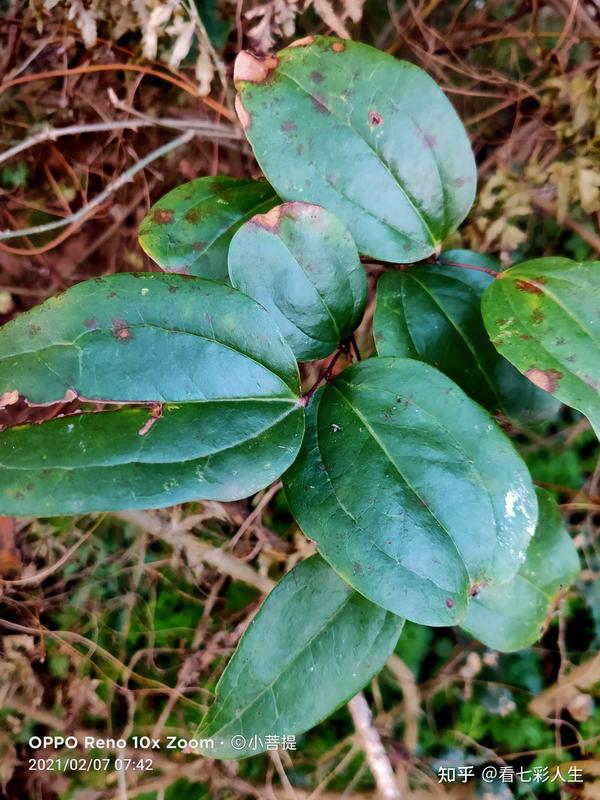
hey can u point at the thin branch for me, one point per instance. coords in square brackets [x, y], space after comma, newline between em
[110, 189]
[377, 758]
[48, 134]
[180, 81]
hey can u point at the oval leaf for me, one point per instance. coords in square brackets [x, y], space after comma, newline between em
[301, 264]
[445, 499]
[232, 419]
[311, 647]
[544, 317]
[512, 616]
[370, 138]
[433, 314]
[190, 228]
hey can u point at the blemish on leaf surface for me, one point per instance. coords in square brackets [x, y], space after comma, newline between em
[547, 379]
[121, 330]
[162, 215]
[253, 69]
[527, 286]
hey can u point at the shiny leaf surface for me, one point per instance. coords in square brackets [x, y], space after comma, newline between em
[190, 228]
[513, 615]
[433, 313]
[222, 417]
[544, 317]
[411, 491]
[300, 263]
[311, 647]
[370, 138]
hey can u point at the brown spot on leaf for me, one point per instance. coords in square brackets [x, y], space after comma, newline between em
[430, 140]
[528, 286]
[156, 413]
[356, 568]
[271, 220]
[92, 324]
[316, 76]
[306, 41]
[375, 118]
[537, 317]
[162, 215]
[243, 115]
[458, 182]
[571, 358]
[198, 246]
[34, 330]
[338, 47]
[546, 379]
[121, 330]
[449, 603]
[193, 215]
[474, 590]
[253, 69]
[288, 126]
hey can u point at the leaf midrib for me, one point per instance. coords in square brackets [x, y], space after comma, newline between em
[461, 333]
[138, 325]
[389, 457]
[80, 468]
[285, 668]
[433, 240]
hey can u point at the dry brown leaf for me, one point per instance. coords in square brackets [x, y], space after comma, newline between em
[580, 678]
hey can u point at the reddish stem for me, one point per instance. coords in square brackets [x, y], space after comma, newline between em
[325, 374]
[487, 270]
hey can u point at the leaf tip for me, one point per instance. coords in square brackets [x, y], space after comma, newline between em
[249, 68]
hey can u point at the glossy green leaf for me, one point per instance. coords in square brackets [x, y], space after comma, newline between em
[544, 317]
[411, 491]
[370, 138]
[301, 264]
[513, 615]
[232, 420]
[190, 228]
[433, 313]
[311, 647]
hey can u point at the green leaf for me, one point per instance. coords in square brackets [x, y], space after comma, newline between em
[370, 138]
[190, 228]
[512, 616]
[232, 420]
[301, 264]
[311, 647]
[433, 314]
[544, 317]
[411, 491]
